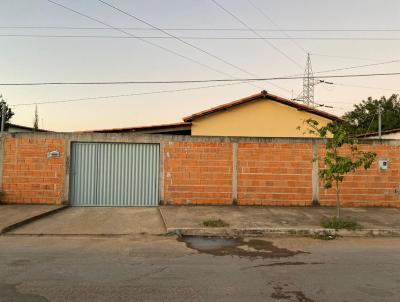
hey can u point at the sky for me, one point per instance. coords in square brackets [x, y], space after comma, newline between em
[83, 59]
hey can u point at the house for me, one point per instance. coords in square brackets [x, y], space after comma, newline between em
[259, 115]
[14, 128]
[385, 134]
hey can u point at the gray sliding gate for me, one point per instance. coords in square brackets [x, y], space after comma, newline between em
[114, 174]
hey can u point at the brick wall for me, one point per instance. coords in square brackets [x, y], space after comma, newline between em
[28, 175]
[371, 187]
[197, 173]
[274, 174]
[271, 174]
[201, 171]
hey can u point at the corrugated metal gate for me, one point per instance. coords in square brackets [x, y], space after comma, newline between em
[114, 174]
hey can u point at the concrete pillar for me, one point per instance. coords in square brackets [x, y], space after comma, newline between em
[314, 175]
[161, 179]
[67, 165]
[234, 174]
[2, 139]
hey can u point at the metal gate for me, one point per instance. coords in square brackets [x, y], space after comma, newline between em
[114, 174]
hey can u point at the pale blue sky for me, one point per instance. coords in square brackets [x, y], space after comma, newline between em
[89, 59]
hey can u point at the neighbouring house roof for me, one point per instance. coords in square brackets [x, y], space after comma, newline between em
[149, 129]
[185, 126]
[263, 95]
[24, 128]
[390, 131]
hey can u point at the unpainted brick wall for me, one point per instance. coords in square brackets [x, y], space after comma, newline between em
[29, 177]
[274, 174]
[200, 172]
[372, 187]
[197, 173]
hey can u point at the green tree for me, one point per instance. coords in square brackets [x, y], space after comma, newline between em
[8, 113]
[364, 117]
[341, 157]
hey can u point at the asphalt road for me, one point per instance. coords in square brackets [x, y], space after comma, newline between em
[163, 269]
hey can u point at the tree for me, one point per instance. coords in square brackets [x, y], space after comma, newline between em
[337, 162]
[8, 113]
[364, 117]
[36, 120]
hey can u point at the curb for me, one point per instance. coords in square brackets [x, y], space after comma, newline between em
[271, 232]
[31, 219]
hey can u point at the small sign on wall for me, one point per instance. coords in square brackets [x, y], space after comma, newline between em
[53, 154]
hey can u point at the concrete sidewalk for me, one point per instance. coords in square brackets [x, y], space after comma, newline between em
[262, 221]
[13, 216]
[99, 221]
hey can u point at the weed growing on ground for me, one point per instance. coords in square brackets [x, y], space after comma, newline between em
[340, 223]
[325, 236]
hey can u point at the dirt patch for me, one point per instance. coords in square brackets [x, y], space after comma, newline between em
[253, 248]
[20, 262]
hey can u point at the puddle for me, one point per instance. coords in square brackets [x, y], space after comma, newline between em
[221, 246]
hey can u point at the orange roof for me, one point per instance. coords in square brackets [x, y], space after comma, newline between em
[151, 127]
[265, 95]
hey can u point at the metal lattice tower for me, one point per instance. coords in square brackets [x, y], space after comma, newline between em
[308, 84]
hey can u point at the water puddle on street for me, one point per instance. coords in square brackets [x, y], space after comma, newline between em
[252, 248]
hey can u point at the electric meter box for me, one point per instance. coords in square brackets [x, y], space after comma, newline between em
[383, 164]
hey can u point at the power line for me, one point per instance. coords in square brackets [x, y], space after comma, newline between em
[367, 87]
[207, 38]
[257, 34]
[358, 66]
[344, 57]
[199, 81]
[182, 41]
[125, 95]
[106, 98]
[141, 39]
[264, 14]
[206, 29]
[373, 117]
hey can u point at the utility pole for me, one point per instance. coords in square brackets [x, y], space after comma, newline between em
[36, 120]
[3, 114]
[379, 121]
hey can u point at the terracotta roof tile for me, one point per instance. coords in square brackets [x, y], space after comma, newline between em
[263, 95]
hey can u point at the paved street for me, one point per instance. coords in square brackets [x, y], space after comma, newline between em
[157, 268]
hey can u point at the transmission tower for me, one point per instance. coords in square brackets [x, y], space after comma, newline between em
[308, 84]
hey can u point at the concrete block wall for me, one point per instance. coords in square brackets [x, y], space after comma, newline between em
[205, 170]
[372, 187]
[274, 174]
[197, 173]
[28, 175]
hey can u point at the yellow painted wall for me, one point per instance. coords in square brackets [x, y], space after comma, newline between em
[258, 118]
